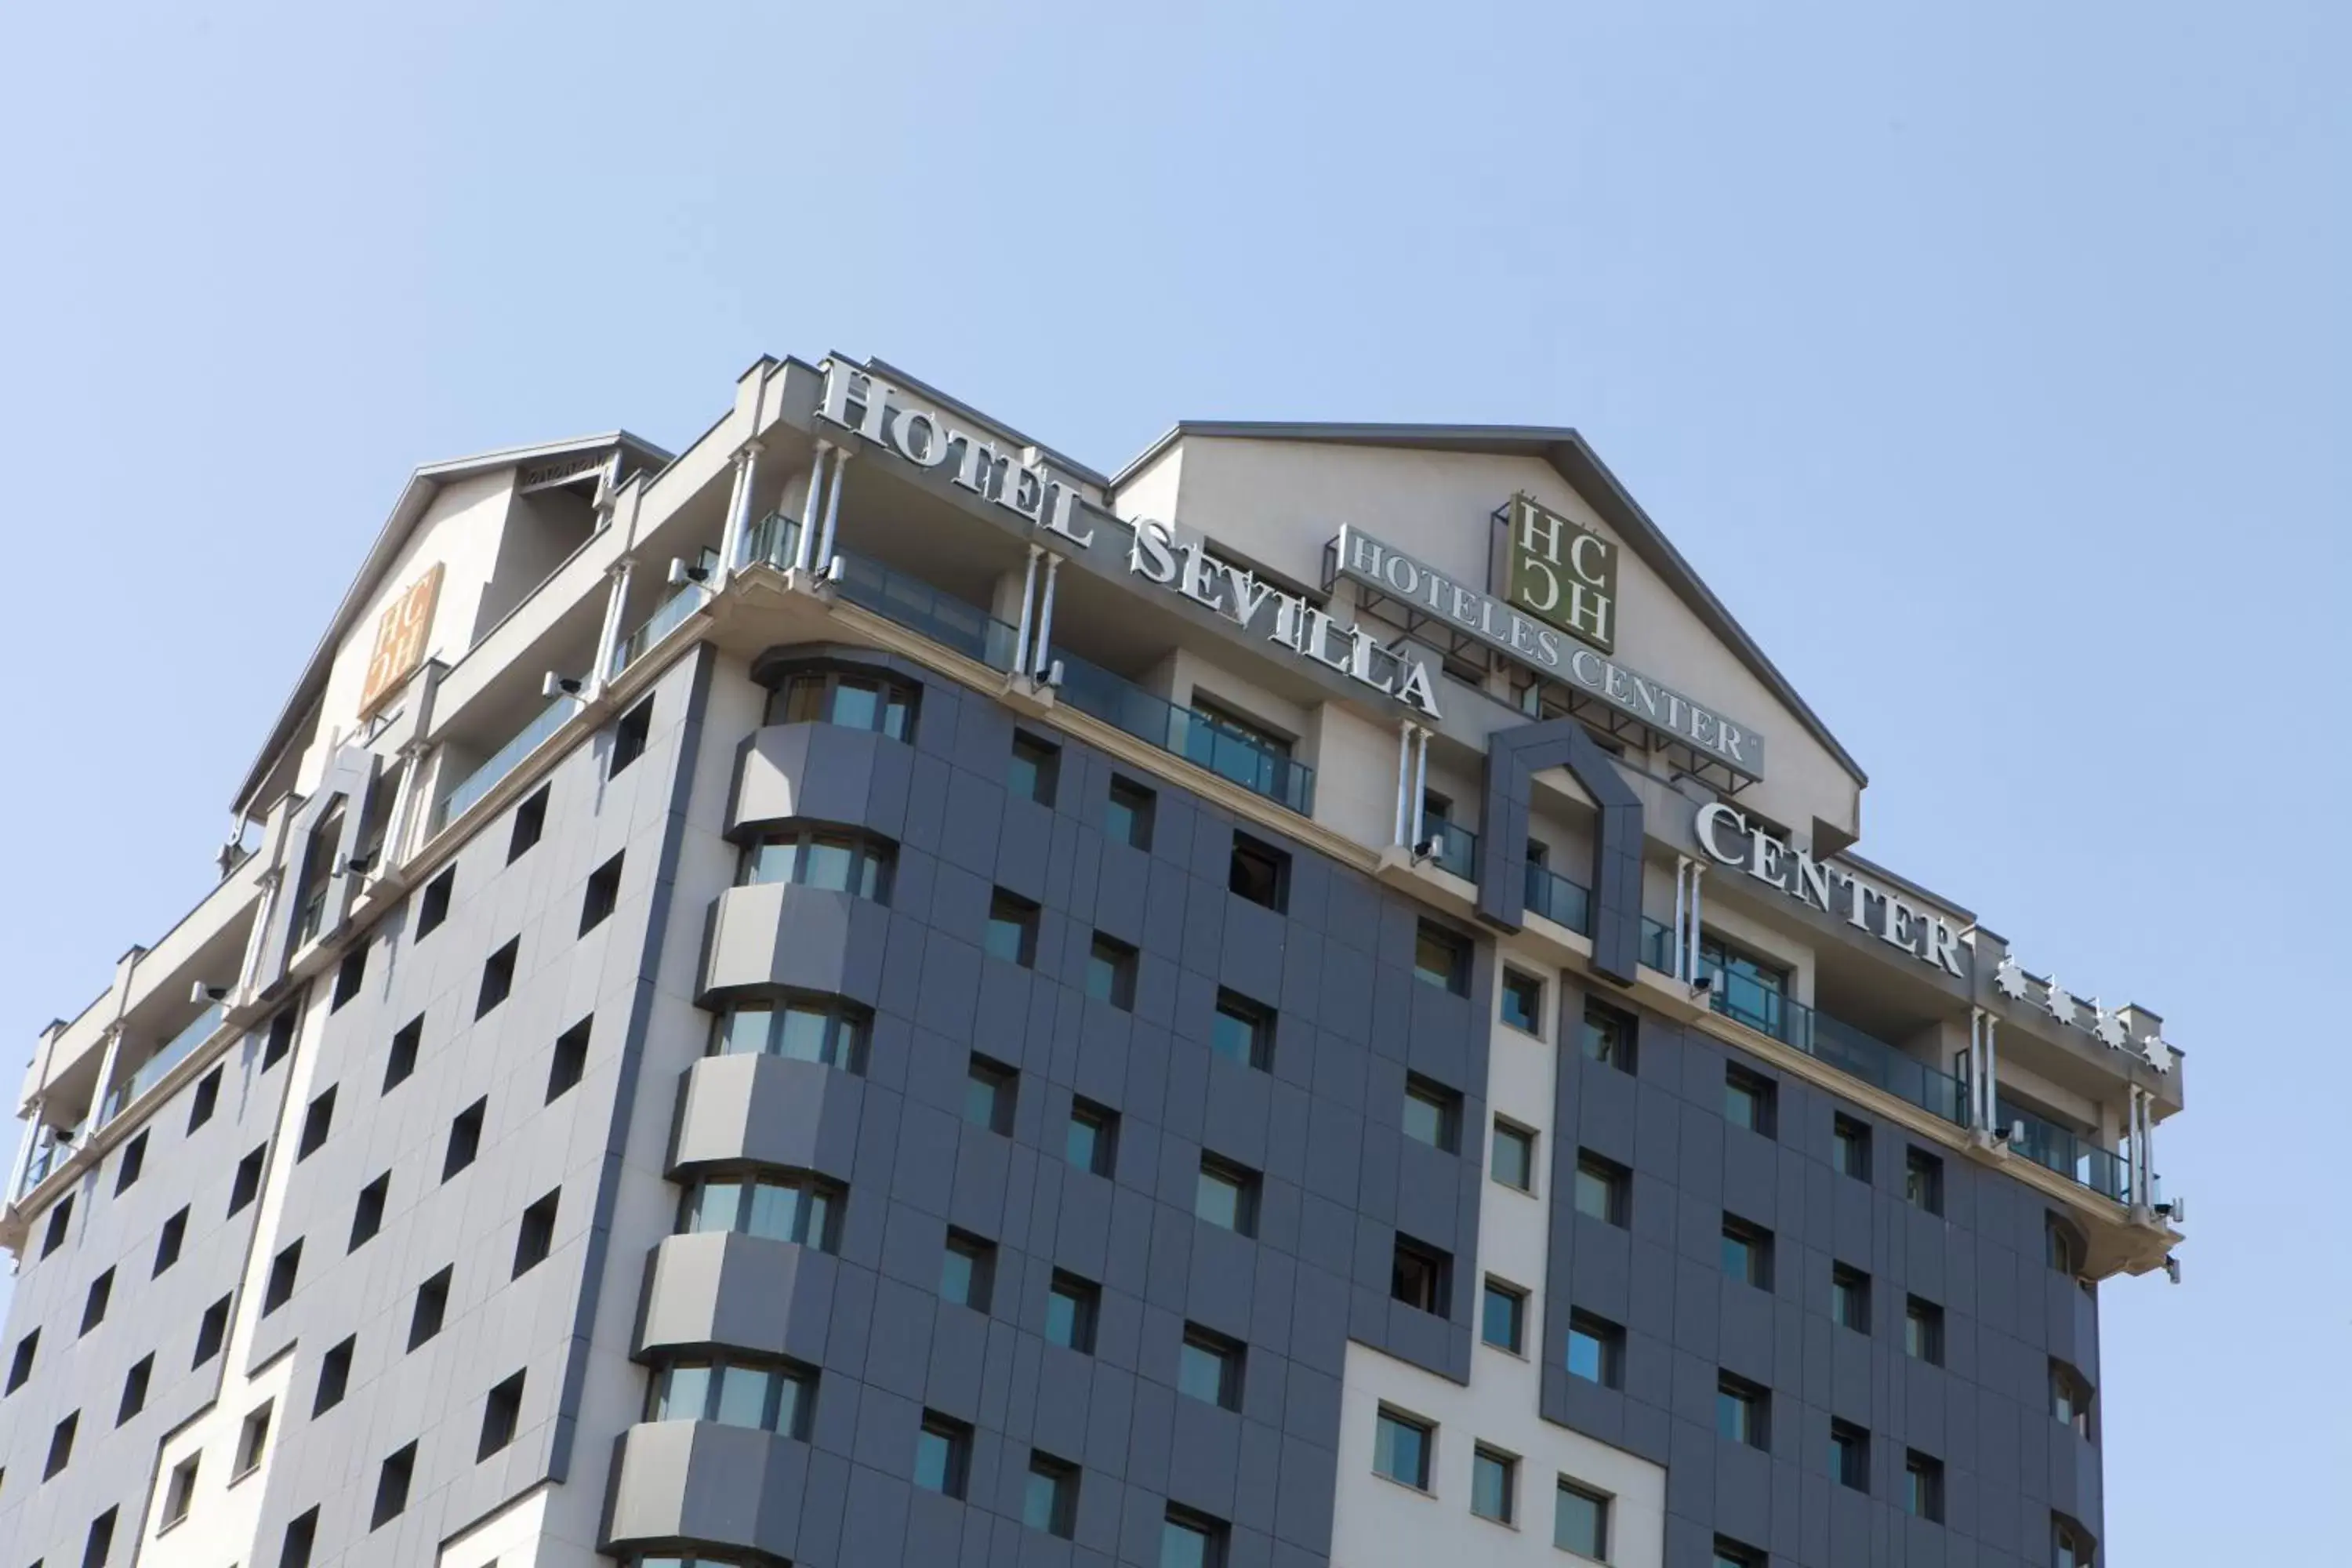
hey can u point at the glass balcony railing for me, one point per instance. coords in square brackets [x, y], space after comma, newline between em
[1557, 899]
[1195, 736]
[772, 539]
[502, 762]
[1458, 848]
[659, 625]
[919, 607]
[152, 1069]
[46, 1159]
[1657, 945]
[2060, 1149]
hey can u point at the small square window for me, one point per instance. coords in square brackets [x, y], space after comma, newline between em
[1581, 1523]
[1850, 1456]
[1111, 973]
[1422, 1277]
[1035, 770]
[1050, 1499]
[1260, 873]
[1608, 1037]
[535, 1236]
[433, 903]
[1730, 1554]
[350, 976]
[988, 1094]
[1091, 1142]
[431, 1307]
[1596, 1350]
[1127, 817]
[529, 823]
[2070, 1398]
[968, 1271]
[1923, 1331]
[1850, 1298]
[1503, 1317]
[2070, 1545]
[1209, 1368]
[1226, 1196]
[212, 1328]
[602, 895]
[1850, 1148]
[134, 1160]
[401, 1060]
[367, 1213]
[59, 1225]
[1742, 1412]
[465, 1137]
[1401, 1448]
[1923, 1181]
[629, 737]
[1602, 1188]
[317, 1122]
[134, 1389]
[501, 1415]
[93, 1305]
[1070, 1307]
[1923, 1487]
[283, 1271]
[1746, 1252]
[252, 1441]
[498, 977]
[1494, 1485]
[1512, 1160]
[179, 1493]
[2066, 1250]
[1442, 958]
[1187, 1540]
[1012, 933]
[207, 1096]
[167, 1244]
[280, 1038]
[391, 1487]
[334, 1377]
[570, 1059]
[1433, 1114]
[1243, 1031]
[1748, 1100]
[245, 1184]
[1523, 1001]
[942, 1455]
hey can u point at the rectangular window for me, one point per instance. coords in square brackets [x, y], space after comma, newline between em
[1746, 1252]
[1260, 873]
[1503, 1316]
[98, 1542]
[1111, 973]
[1923, 1181]
[942, 1455]
[252, 1441]
[179, 1493]
[570, 1059]
[367, 1212]
[2066, 1246]
[629, 737]
[1923, 1331]
[1433, 1114]
[1035, 771]
[300, 1532]
[851, 700]
[1209, 1368]
[497, 978]
[529, 823]
[61, 1442]
[1850, 1456]
[134, 1389]
[317, 1122]
[1850, 1148]
[800, 1209]
[1748, 1100]
[2070, 1546]
[968, 1271]
[391, 1487]
[432, 1306]
[1226, 1196]
[1442, 958]
[60, 1220]
[1091, 1141]
[1127, 818]
[1523, 1001]
[1070, 1307]
[1422, 1277]
[465, 1137]
[134, 1160]
[1012, 933]
[501, 1415]
[1923, 1486]
[349, 976]
[1049, 1500]
[201, 1103]
[989, 1092]
[335, 1376]
[20, 1365]
[1596, 1350]
[1494, 1485]
[433, 903]
[535, 1236]
[1243, 1031]
[93, 1305]
[602, 895]
[2070, 1398]
[283, 1271]
[1512, 1160]
[1601, 1188]
[1581, 1523]
[1401, 1448]
[280, 1038]
[1189, 1539]
[211, 1330]
[1608, 1037]
[1730, 1554]
[1742, 1412]
[167, 1244]
[1850, 1298]
[401, 1060]
[245, 1184]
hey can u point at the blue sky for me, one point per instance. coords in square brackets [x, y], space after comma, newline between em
[1988, 360]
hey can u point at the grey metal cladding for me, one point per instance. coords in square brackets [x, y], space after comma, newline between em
[1984, 1412]
[1513, 758]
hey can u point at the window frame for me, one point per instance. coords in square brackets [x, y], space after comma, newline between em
[1023, 916]
[1141, 805]
[1434, 1099]
[1506, 1132]
[1458, 951]
[1254, 1018]
[1513, 1300]
[892, 696]
[1615, 1183]
[1392, 1428]
[873, 859]
[1516, 985]
[1603, 1509]
[816, 1205]
[843, 1028]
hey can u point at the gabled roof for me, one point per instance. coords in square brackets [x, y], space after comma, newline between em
[406, 512]
[1566, 451]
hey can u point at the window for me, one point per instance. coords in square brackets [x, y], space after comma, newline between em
[1923, 1331]
[535, 1236]
[1596, 1350]
[60, 1219]
[252, 1441]
[1127, 819]
[93, 1305]
[501, 1415]
[1608, 1037]
[432, 1306]
[283, 1271]
[99, 1542]
[1189, 1539]
[134, 1389]
[1012, 933]
[1748, 1100]
[1226, 1196]
[1035, 770]
[401, 1060]
[1746, 1252]
[179, 1493]
[211, 1330]
[1730, 1554]
[1050, 1501]
[1512, 1160]
[433, 904]
[968, 1271]
[167, 1244]
[497, 978]
[1070, 1308]
[1580, 1521]
[1923, 1181]
[317, 1122]
[134, 1160]
[569, 1060]
[300, 1532]
[20, 1365]
[989, 1092]
[1243, 1031]
[1503, 1316]
[849, 699]
[827, 860]
[1091, 1141]
[465, 1137]
[1850, 1298]
[61, 1441]
[808, 1029]
[1209, 1368]
[798, 1208]
[244, 1185]
[1433, 1114]
[629, 737]
[1742, 1412]
[1260, 873]
[280, 1038]
[1923, 1486]
[1523, 1001]
[1850, 1148]
[2066, 1250]
[1422, 1277]
[1111, 973]
[1601, 1188]
[1850, 1456]
[335, 1376]
[349, 976]
[1401, 1446]
[1440, 958]
[2069, 1545]
[529, 822]
[391, 1487]
[942, 1455]
[2070, 1398]
[207, 1096]
[1494, 1485]
[602, 895]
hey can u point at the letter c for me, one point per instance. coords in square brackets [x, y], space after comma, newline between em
[1713, 815]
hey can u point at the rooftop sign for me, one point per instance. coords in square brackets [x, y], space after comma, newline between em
[1562, 572]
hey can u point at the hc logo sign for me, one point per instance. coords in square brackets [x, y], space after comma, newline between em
[1563, 574]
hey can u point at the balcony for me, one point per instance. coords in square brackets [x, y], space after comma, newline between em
[1557, 899]
[919, 607]
[668, 618]
[2058, 1149]
[502, 762]
[1187, 732]
[152, 1069]
[1458, 848]
[46, 1158]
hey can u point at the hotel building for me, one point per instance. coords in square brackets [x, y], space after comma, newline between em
[867, 993]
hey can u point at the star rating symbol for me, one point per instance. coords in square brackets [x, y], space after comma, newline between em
[2109, 1027]
[2061, 1005]
[2009, 980]
[2158, 1053]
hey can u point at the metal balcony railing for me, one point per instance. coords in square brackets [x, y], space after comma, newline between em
[503, 761]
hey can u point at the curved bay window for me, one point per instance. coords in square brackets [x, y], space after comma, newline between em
[810, 1029]
[772, 1396]
[832, 859]
[852, 698]
[798, 1208]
